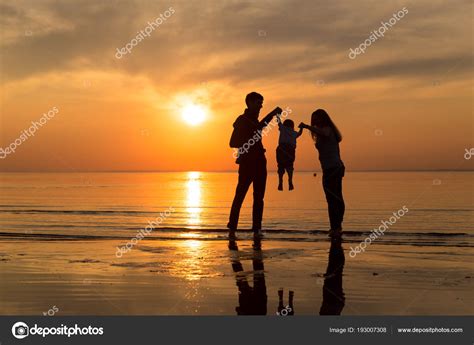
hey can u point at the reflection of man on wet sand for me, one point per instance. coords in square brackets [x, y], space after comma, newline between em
[252, 300]
[333, 294]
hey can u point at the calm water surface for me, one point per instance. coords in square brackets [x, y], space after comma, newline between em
[440, 204]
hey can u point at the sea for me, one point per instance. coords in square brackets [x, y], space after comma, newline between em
[426, 208]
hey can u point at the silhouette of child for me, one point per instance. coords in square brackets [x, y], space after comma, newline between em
[285, 152]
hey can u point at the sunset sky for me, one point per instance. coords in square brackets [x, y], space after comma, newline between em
[405, 104]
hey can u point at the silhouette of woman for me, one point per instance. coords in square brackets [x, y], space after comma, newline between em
[333, 294]
[327, 138]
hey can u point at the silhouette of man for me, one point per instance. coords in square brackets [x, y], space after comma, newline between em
[252, 299]
[247, 138]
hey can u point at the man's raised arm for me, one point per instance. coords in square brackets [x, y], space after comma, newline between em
[267, 119]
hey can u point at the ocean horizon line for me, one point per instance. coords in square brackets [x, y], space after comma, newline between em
[218, 171]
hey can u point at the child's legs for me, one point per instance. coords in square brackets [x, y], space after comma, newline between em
[289, 166]
[291, 160]
[280, 163]
[290, 174]
[281, 172]
[290, 178]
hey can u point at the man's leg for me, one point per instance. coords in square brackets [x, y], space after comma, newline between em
[245, 178]
[259, 184]
[259, 286]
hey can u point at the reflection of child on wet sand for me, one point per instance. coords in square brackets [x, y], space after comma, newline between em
[287, 310]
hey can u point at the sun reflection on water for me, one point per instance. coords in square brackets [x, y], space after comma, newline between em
[192, 260]
[189, 265]
[193, 198]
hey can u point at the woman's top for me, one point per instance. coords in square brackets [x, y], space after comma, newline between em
[328, 148]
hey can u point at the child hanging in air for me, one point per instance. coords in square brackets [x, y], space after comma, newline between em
[285, 152]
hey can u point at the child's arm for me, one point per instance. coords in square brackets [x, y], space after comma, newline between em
[279, 120]
[318, 131]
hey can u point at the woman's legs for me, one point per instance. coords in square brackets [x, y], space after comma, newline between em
[341, 208]
[332, 185]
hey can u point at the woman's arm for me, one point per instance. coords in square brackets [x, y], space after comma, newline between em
[300, 132]
[326, 131]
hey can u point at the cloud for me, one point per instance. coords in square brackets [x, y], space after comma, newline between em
[221, 41]
[431, 67]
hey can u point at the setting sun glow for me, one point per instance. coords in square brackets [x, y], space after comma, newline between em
[193, 114]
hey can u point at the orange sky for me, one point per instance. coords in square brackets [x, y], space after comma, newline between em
[406, 104]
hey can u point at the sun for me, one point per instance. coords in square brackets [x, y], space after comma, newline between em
[193, 114]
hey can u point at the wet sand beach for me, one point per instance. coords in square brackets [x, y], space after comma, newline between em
[201, 277]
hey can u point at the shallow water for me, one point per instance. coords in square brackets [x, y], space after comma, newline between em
[117, 205]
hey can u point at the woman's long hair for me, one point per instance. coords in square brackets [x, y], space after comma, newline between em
[320, 118]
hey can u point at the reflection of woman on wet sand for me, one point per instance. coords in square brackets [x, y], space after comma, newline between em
[333, 294]
[252, 300]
